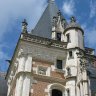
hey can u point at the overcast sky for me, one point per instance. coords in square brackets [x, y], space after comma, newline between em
[12, 13]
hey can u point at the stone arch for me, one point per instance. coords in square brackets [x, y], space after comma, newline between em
[56, 86]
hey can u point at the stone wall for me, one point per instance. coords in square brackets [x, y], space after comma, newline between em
[3, 85]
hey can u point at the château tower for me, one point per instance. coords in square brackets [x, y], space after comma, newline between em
[51, 59]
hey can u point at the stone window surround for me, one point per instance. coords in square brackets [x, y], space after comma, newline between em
[68, 71]
[55, 86]
[70, 57]
[45, 68]
[55, 64]
[68, 37]
[68, 91]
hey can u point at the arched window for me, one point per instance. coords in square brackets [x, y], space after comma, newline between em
[56, 90]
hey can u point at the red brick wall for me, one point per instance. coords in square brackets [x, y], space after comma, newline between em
[39, 88]
[47, 64]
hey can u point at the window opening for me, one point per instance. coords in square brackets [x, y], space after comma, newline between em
[68, 38]
[70, 54]
[68, 92]
[59, 64]
[59, 36]
[56, 92]
[68, 71]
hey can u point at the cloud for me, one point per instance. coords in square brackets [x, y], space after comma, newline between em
[90, 36]
[3, 55]
[11, 10]
[69, 7]
[92, 8]
[3, 58]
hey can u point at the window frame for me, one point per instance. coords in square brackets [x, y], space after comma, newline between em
[58, 33]
[70, 55]
[57, 63]
[68, 71]
[68, 92]
[68, 38]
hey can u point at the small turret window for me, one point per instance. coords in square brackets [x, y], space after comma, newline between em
[68, 71]
[68, 37]
[70, 54]
[58, 36]
[68, 92]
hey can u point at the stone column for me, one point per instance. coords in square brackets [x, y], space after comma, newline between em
[19, 82]
[26, 86]
[16, 89]
[85, 83]
[27, 78]
[81, 89]
[8, 92]
[22, 62]
[28, 64]
[85, 86]
[78, 91]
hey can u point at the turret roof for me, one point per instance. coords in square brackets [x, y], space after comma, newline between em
[44, 25]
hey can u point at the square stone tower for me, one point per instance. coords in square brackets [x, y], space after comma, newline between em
[51, 60]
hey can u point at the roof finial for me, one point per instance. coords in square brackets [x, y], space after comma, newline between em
[24, 26]
[51, 1]
[73, 19]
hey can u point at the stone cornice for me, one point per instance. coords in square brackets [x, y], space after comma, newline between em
[43, 41]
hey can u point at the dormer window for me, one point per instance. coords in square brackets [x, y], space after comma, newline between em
[58, 35]
[68, 37]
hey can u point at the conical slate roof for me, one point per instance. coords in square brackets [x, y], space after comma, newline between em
[44, 25]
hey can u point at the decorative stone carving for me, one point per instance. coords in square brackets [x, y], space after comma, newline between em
[24, 26]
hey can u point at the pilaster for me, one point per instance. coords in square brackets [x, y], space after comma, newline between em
[19, 81]
[85, 83]
[27, 78]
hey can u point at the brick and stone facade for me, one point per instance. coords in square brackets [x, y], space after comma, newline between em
[52, 59]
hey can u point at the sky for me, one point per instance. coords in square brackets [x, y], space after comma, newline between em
[12, 13]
